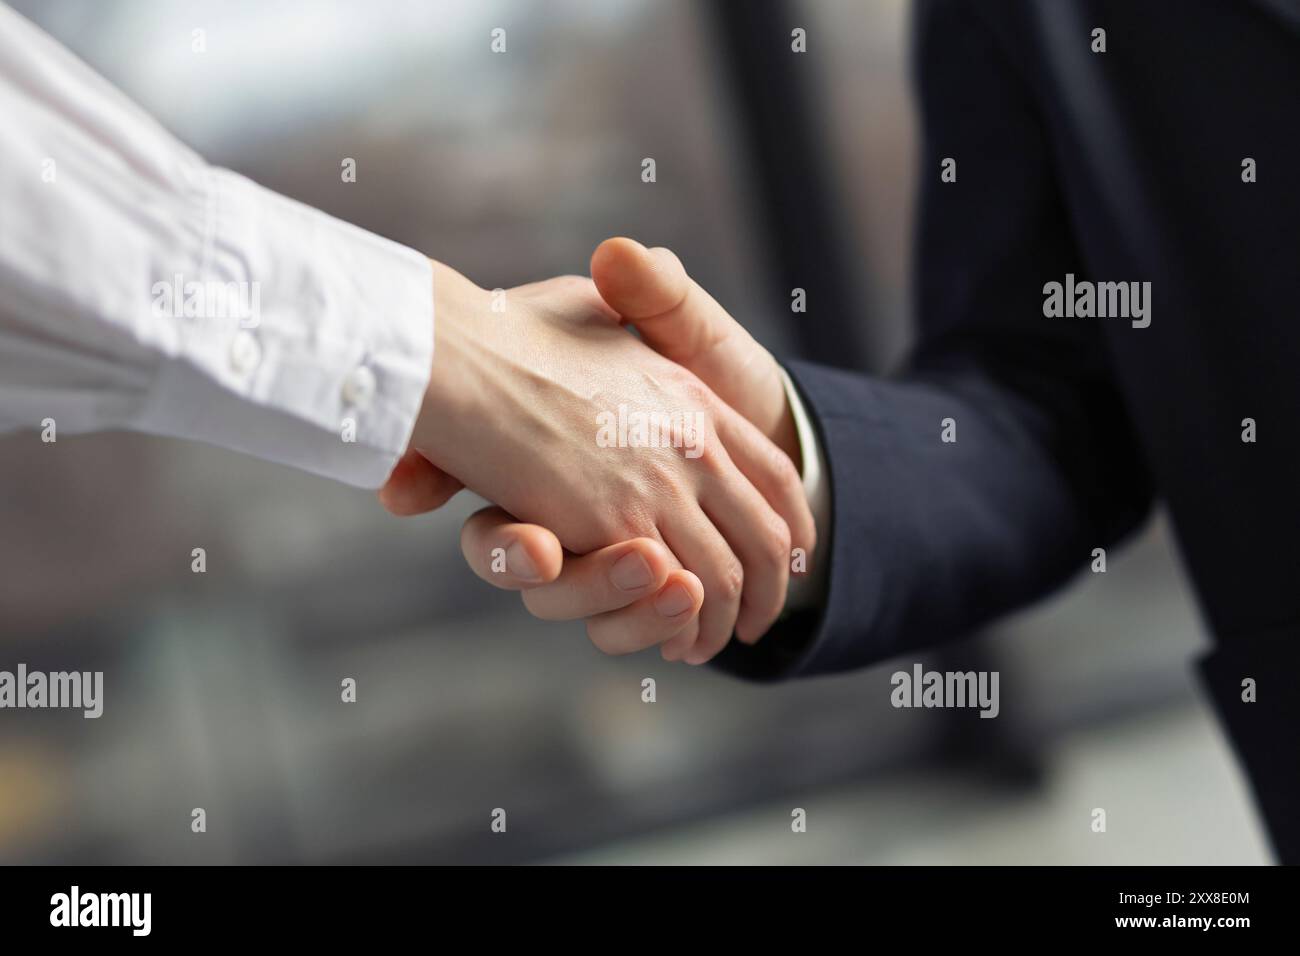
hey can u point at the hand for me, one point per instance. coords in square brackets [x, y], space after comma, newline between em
[632, 595]
[512, 411]
[649, 289]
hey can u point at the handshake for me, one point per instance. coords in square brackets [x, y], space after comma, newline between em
[650, 486]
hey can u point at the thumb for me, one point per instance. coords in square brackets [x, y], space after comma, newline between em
[650, 289]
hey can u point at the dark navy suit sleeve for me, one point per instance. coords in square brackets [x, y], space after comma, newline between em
[930, 539]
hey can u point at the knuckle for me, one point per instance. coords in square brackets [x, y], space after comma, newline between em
[786, 473]
[661, 476]
[666, 485]
[778, 542]
[729, 581]
[695, 391]
[707, 453]
[695, 396]
[615, 524]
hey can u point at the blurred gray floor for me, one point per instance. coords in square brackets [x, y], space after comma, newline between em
[1166, 776]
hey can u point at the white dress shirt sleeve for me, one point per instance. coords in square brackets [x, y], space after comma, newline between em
[141, 288]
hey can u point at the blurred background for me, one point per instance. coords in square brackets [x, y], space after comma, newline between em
[223, 689]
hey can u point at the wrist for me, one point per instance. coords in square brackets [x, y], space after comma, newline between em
[455, 375]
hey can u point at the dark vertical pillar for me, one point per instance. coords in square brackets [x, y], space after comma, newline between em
[774, 91]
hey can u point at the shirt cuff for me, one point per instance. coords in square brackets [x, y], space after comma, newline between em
[808, 589]
[324, 361]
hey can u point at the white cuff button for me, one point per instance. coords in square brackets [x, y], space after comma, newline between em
[245, 353]
[359, 387]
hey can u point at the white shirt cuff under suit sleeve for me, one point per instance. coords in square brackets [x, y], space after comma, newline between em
[142, 288]
[809, 589]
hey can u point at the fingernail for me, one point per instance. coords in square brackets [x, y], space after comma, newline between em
[630, 572]
[672, 600]
[520, 563]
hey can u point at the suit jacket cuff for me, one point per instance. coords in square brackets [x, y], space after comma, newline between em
[814, 639]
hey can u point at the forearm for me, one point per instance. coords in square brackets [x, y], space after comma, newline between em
[932, 538]
[144, 289]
